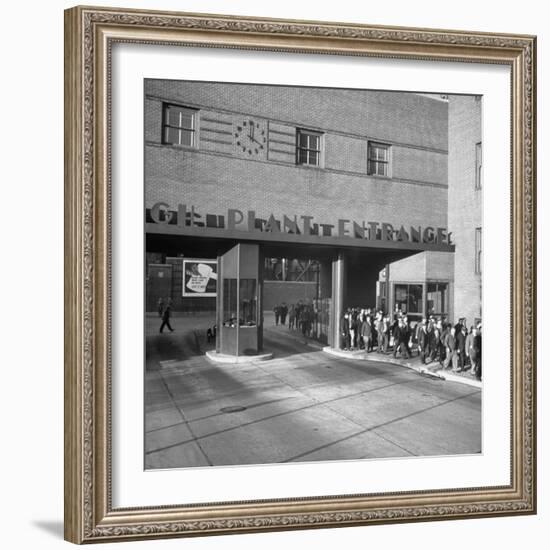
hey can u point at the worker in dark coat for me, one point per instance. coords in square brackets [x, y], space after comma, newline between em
[424, 341]
[277, 312]
[346, 334]
[460, 337]
[283, 310]
[166, 314]
[367, 333]
[401, 339]
[477, 348]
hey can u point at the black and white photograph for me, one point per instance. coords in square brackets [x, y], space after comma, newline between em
[313, 261]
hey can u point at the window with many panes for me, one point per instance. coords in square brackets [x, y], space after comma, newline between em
[179, 125]
[479, 163]
[478, 258]
[308, 147]
[378, 162]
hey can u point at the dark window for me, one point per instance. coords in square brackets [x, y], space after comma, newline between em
[247, 297]
[230, 302]
[179, 125]
[408, 298]
[308, 147]
[479, 164]
[378, 159]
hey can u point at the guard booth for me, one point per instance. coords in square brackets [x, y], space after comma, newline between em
[239, 301]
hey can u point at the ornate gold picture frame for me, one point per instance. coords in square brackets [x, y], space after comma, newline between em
[90, 34]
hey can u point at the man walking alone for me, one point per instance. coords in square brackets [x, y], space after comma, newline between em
[166, 314]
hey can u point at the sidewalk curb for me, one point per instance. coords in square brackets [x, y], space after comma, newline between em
[216, 357]
[315, 345]
[359, 355]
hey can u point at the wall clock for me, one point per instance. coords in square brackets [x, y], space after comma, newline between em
[251, 137]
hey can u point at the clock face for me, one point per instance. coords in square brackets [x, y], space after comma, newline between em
[251, 137]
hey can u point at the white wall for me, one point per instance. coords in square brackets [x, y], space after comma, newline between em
[31, 362]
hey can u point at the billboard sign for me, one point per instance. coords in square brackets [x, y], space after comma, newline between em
[199, 277]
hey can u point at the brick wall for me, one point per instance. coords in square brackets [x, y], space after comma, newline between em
[276, 292]
[383, 116]
[440, 266]
[425, 266]
[465, 202]
[412, 269]
[464, 215]
[214, 183]
[219, 175]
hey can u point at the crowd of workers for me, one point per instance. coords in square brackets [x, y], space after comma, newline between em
[454, 346]
[301, 316]
[432, 339]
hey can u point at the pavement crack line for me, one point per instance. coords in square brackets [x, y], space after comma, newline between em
[326, 404]
[214, 415]
[389, 440]
[316, 403]
[340, 413]
[319, 403]
[186, 422]
[373, 428]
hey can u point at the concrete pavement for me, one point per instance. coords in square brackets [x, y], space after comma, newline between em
[303, 405]
[433, 368]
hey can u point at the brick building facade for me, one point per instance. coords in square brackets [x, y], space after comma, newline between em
[217, 172]
[385, 167]
[465, 203]
[451, 283]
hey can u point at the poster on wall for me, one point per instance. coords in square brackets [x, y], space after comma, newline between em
[199, 277]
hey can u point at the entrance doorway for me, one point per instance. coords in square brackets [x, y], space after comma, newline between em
[298, 291]
[255, 277]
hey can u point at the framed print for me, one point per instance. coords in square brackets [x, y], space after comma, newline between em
[300, 282]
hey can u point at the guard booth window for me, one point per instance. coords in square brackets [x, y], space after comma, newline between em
[230, 302]
[437, 299]
[247, 302]
[247, 297]
[408, 299]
